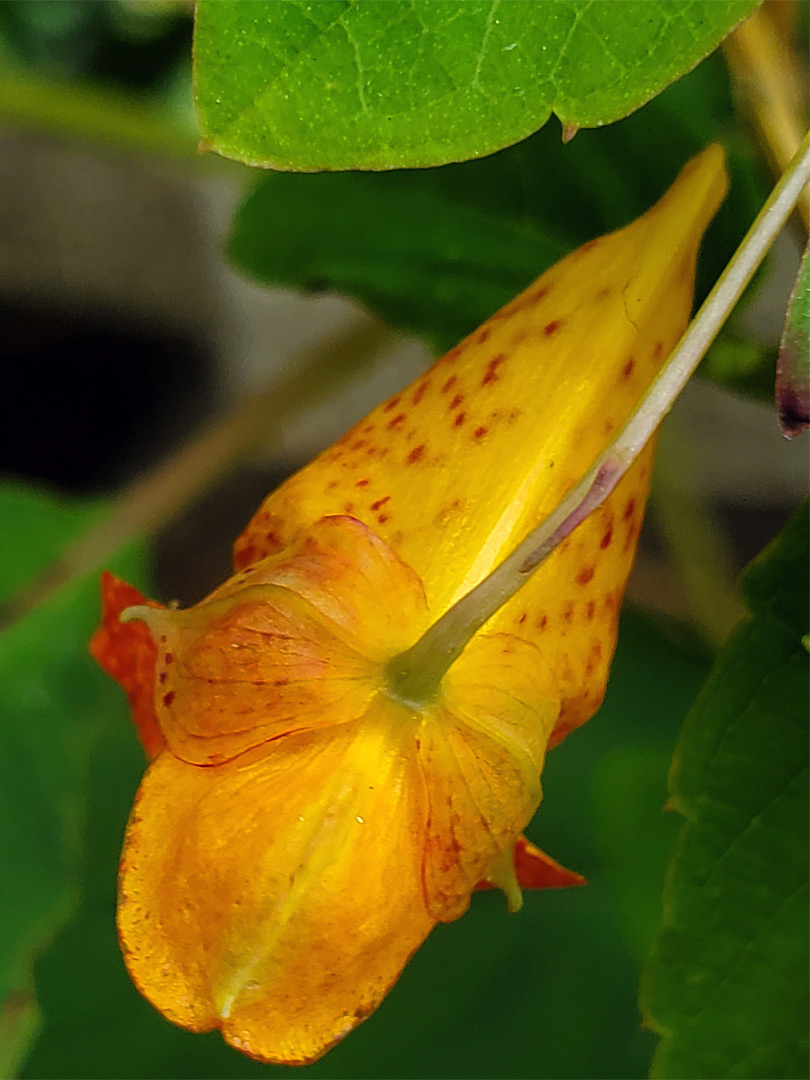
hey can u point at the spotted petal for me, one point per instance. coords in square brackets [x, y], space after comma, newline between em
[453, 471]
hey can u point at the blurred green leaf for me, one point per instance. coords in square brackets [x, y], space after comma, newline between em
[407, 250]
[383, 84]
[105, 42]
[793, 369]
[51, 694]
[637, 834]
[436, 251]
[740, 363]
[726, 986]
[550, 992]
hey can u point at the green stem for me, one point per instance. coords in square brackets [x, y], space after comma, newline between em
[415, 675]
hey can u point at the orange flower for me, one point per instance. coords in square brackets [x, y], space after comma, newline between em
[301, 828]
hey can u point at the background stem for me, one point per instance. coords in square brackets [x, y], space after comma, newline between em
[163, 492]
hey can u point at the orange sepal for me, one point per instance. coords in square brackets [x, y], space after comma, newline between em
[126, 652]
[534, 869]
[537, 870]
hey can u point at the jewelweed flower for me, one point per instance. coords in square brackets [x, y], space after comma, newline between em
[301, 827]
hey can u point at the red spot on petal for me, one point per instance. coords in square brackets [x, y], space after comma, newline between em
[332, 485]
[382, 518]
[629, 510]
[627, 370]
[540, 294]
[396, 421]
[658, 351]
[607, 536]
[348, 507]
[244, 556]
[392, 404]
[380, 502]
[168, 698]
[522, 618]
[492, 368]
[167, 657]
[480, 432]
[585, 575]
[457, 400]
[362, 483]
[450, 383]
[415, 454]
[459, 420]
[542, 622]
[552, 327]
[419, 393]
[568, 614]
[483, 336]
[591, 609]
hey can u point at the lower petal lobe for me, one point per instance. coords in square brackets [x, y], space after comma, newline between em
[277, 896]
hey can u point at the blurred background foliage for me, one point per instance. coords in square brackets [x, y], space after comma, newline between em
[126, 335]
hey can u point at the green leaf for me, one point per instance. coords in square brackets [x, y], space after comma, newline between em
[739, 362]
[52, 694]
[793, 367]
[341, 230]
[437, 251]
[726, 986]
[630, 791]
[389, 84]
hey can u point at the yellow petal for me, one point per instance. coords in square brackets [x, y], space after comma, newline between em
[481, 750]
[296, 642]
[350, 576]
[457, 468]
[279, 895]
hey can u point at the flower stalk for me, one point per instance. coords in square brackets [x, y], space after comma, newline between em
[415, 675]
